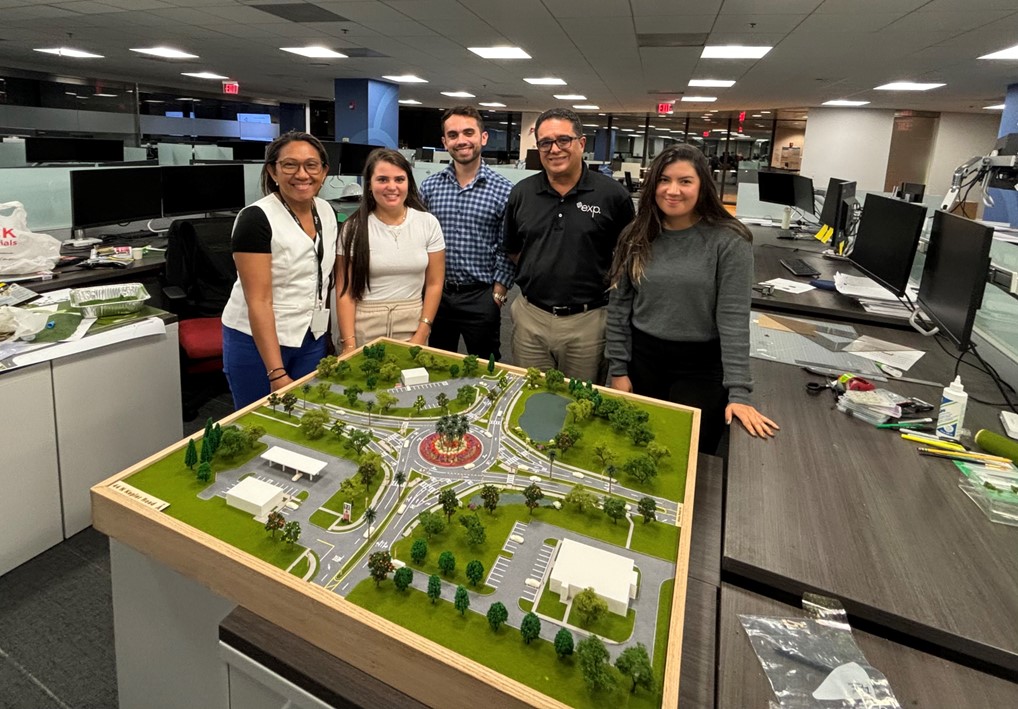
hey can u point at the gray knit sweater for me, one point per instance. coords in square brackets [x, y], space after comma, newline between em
[697, 286]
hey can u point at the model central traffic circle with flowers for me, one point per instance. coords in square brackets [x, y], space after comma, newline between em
[526, 522]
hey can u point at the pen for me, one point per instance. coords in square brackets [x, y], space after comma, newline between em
[915, 423]
[959, 455]
[936, 443]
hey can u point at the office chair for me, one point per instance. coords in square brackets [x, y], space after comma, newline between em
[198, 280]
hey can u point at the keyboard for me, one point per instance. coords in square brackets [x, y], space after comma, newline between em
[798, 267]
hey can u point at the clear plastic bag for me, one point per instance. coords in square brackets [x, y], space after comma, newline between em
[21, 249]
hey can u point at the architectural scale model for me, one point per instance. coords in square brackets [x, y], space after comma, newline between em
[523, 521]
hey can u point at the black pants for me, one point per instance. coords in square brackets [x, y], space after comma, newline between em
[688, 373]
[475, 315]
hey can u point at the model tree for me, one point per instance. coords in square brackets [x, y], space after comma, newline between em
[567, 438]
[386, 401]
[554, 379]
[491, 363]
[313, 423]
[352, 394]
[533, 377]
[454, 371]
[497, 614]
[590, 606]
[190, 455]
[634, 662]
[443, 401]
[399, 478]
[419, 404]
[305, 389]
[379, 566]
[204, 472]
[370, 406]
[470, 365]
[434, 588]
[450, 503]
[475, 572]
[490, 496]
[492, 395]
[273, 400]
[369, 468]
[415, 351]
[431, 523]
[403, 577]
[419, 551]
[342, 369]
[338, 427]
[289, 401]
[580, 498]
[322, 390]
[532, 496]
[605, 457]
[389, 371]
[580, 410]
[291, 532]
[233, 443]
[641, 468]
[657, 451]
[447, 563]
[274, 522]
[465, 395]
[530, 628]
[563, 643]
[647, 507]
[462, 600]
[427, 360]
[370, 515]
[640, 434]
[326, 366]
[476, 534]
[593, 657]
[371, 381]
[552, 455]
[370, 366]
[375, 351]
[612, 473]
[359, 440]
[614, 507]
[206, 449]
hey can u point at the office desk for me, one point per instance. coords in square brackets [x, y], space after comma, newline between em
[917, 679]
[768, 251]
[835, 505]
[144, 270]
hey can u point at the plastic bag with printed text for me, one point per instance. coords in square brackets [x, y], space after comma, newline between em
[22, 250]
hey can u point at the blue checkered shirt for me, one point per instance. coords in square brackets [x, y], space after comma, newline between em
[472, 220]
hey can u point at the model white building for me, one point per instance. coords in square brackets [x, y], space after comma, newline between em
[255, 496]
[418, 375]
[578, 566]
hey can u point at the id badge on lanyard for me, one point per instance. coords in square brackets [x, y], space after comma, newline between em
[320, 314]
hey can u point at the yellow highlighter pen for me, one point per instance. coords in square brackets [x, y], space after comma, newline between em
[946, 445]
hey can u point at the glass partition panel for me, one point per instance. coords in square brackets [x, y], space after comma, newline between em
[44, 191]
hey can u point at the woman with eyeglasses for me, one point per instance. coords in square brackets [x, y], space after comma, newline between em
[391, 263]
[284, 246]
[678, 311]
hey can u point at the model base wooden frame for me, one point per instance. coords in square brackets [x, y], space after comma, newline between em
[417, 666]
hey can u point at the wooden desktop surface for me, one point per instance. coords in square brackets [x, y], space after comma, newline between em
[917, 678]
[836, 505]
[77, 277]
[768, 251]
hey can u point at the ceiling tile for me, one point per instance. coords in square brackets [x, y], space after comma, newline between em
[673, 23]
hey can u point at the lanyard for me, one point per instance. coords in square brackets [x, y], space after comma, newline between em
[319, 249]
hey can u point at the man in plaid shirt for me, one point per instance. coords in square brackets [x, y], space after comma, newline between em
[469, 200]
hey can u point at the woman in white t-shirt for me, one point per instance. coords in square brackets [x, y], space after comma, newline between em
[390, 265]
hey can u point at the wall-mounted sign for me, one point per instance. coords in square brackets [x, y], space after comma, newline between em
[231, 87]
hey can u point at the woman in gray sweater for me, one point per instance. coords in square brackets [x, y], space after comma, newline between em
[678, 314]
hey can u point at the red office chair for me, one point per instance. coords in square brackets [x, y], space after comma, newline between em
[199, 277]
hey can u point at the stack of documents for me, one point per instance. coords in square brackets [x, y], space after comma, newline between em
[873, 297]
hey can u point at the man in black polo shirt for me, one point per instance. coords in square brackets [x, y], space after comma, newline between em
[561, 230]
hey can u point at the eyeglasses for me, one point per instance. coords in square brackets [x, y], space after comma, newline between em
[563, 142]
[290, 167]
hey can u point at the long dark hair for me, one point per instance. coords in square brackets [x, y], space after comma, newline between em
[276, 147]
[356, 249]
[633, 248]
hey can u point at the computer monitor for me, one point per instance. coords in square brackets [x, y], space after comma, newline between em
[246, 150]
[353, 157]
[954, 275]
[911, 191]
[886, 241]
[196, 189]
[115, 195]
[837, 206]
[776, 188]
[334, 151]
[426, 154]
[73, 150]
[533, 160]
[802, 187]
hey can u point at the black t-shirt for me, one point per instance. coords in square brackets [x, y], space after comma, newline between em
[565, 243]
[252, 233]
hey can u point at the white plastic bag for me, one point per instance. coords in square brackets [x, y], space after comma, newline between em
[21, 250]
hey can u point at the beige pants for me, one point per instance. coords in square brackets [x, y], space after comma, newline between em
[573, 344]
[397, 319]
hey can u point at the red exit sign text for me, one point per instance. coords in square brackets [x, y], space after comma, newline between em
[664, 108]
[231, 87]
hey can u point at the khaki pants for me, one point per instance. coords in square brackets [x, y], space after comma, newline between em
[572, 344]
[397, 319]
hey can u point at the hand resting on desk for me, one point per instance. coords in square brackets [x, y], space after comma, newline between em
[756, 423]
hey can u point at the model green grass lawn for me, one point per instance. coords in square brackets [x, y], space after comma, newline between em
[550, 605]
[664, 615]
[170, 480]
[301, 567]
[355, 498]
[610, 626]
[535, 665]
[655, 539]
[671, 428]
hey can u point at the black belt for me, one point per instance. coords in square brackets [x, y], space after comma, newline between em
[464, 287]
[562, 310]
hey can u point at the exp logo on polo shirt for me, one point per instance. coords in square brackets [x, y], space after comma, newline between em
[592, 208]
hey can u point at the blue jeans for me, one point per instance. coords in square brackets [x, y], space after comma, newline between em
[245, 370]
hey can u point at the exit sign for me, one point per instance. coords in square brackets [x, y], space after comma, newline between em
[664, 108]
[231, 87]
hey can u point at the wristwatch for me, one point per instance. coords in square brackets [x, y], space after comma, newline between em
[500, 297]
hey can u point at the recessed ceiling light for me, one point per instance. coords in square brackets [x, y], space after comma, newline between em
[590, 125]
[458, 94]
[152, 100]
[712, 83]
[499, 52]
[491, 104]
[844, 102]
[105, 95]
[315, 52]
[570, 97]
[68, 52]
[186, 98]
[409, 102]
[764, 111]
[406, 79]
[203, 75]
[699, 99]
[907, 86]
[998, 107]
[165, 53]
[1009, 53]
[586, 107]
[546, 81]
[628, 130]
[734, 51]
[756, 115]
